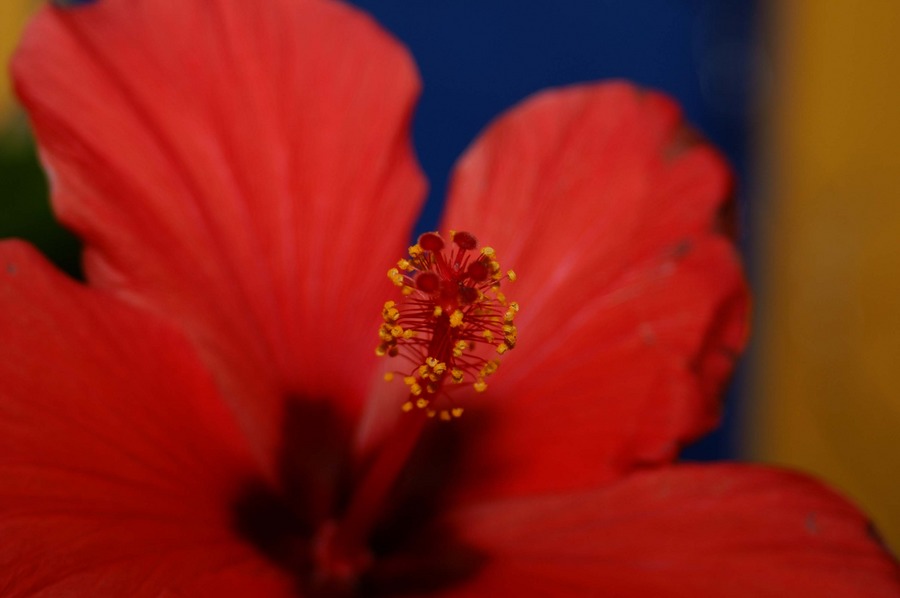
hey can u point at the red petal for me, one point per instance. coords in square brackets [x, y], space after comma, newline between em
[237, 582]
[118, 460]
[633, 306]
[243, 168]
[724, 530]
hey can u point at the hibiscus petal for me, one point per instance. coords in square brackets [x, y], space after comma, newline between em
[237, 582]
[633, 305]
[723, 530]
[241, 167]
[119, 463]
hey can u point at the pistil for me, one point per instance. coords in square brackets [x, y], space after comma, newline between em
[448, 328]
[452, 322]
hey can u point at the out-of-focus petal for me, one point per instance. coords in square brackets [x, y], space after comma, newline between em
[119, 462]
[724, 530]
[633, 304]
[251, 579]
[243, 168]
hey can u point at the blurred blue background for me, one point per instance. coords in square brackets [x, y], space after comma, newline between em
[478, 58]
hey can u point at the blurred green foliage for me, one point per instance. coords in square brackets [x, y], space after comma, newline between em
[24, 203]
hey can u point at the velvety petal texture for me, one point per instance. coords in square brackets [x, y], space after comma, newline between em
[687, 531]
[243, 168]
[119, 462]
[633, 303]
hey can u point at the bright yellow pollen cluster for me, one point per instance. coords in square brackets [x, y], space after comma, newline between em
[510, 333]
[424, 382]
[460, 348]
[391, 332]
[395, 276]
[452, 316]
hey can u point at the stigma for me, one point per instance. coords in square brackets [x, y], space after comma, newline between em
[451, 322]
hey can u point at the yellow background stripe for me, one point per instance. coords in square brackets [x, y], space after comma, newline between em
[827, 397]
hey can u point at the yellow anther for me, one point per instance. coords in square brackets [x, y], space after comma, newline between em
[488, 335]
[439, 368]
[445, 415]
[502, 348]
[457, 375]
[509, 329]
[456, 319]
[409, 380]
[380, 350]
[395, 276]
[388, 376]
[431, 362]
[405, 264]
[407, 406]
[396, 330]
[500, 297]
[510, 315]
[415, 389]
[408, 334]
[459, 348]
[488, 251]
[511, 275]
[423, 370]
[415, 251]
[480, 386]
[490, 367]
[422, 403]
[457, 411]
[438, 311]
[431, 413]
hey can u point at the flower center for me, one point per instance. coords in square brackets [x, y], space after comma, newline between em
[451, 322]
[446, 332]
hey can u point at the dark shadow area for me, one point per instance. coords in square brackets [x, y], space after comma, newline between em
[412, 552]
[25, 207]
[417, 552]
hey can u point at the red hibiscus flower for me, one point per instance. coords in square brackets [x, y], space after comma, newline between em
[207, 415]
